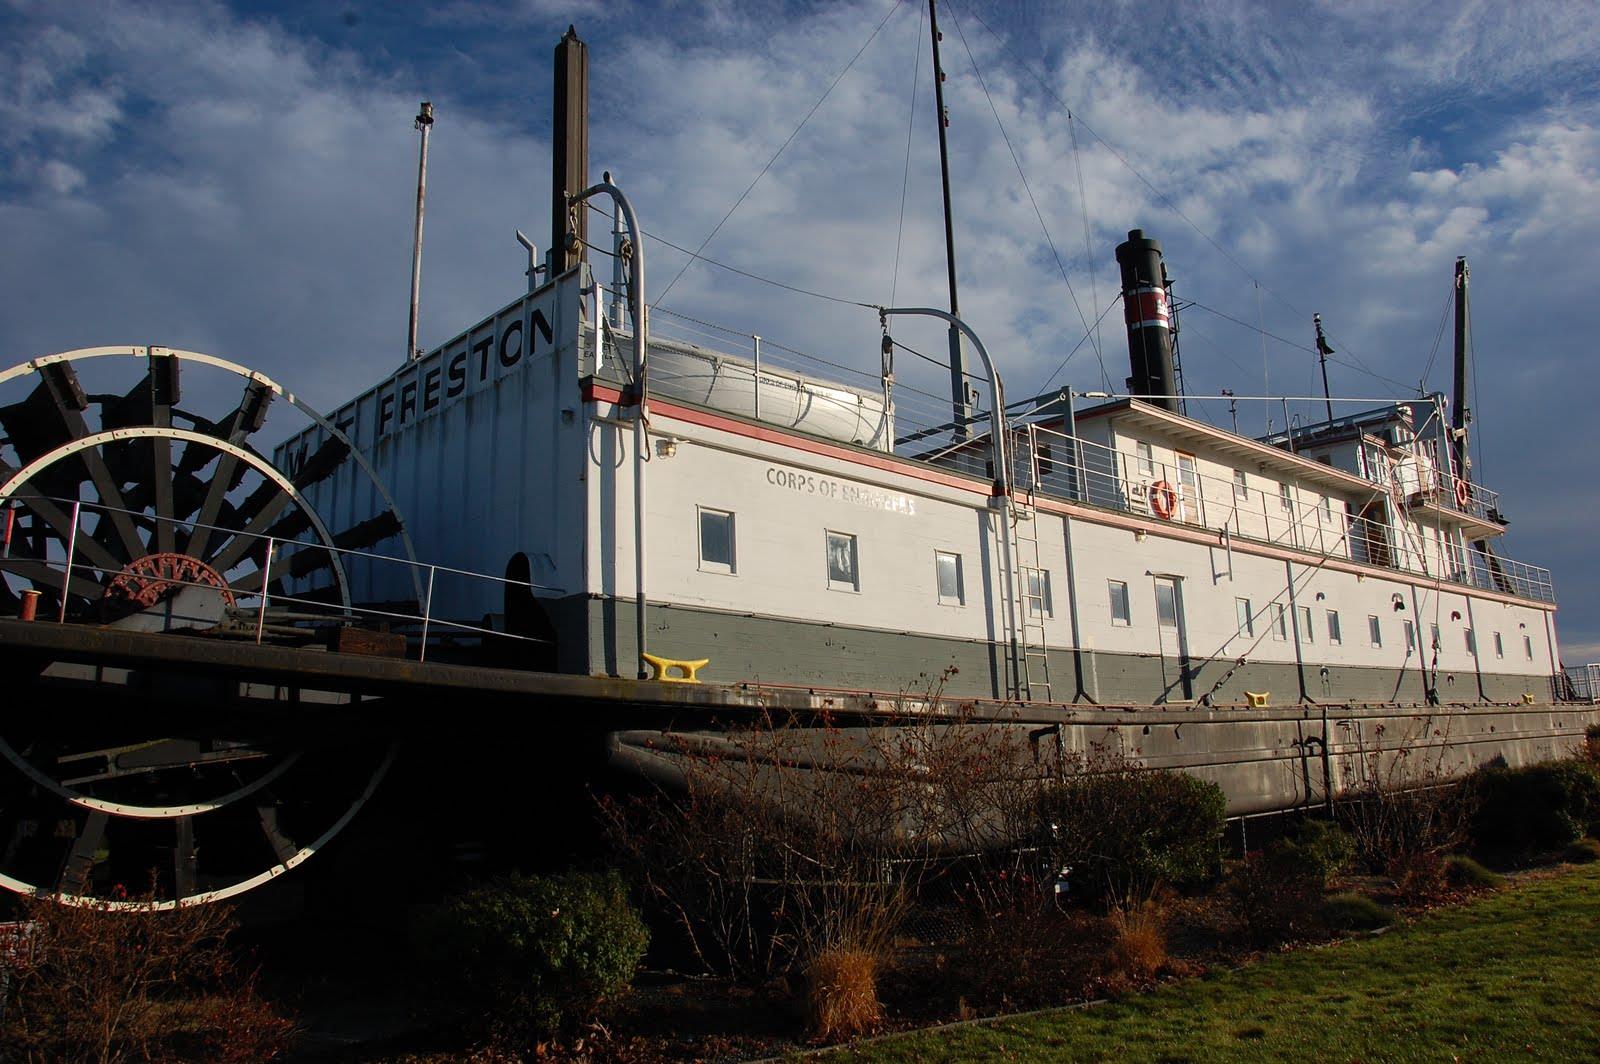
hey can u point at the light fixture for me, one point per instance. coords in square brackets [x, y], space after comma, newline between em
[1139, 534]
[667, 447]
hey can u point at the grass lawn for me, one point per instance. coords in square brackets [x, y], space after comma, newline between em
[1514, 976]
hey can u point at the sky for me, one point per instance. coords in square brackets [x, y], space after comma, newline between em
[240, 178]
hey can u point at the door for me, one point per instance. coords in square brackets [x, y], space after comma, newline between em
[1174, 640]
[1188, 490]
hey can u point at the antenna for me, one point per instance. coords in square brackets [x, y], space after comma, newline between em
[424, 124]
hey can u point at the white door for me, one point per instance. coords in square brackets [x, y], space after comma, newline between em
[1173, 638]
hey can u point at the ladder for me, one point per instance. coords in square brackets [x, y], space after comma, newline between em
[1032, 582]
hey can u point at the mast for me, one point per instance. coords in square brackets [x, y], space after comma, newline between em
[569, 154]
[1460, 411]
[960, 395]
[1323, 351]
[424, 124]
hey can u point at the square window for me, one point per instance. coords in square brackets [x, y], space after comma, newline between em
[1147, 458]
[1411, 636]
[1527, 646]
[1241, 487]
[1038, 593]
[1499, 646]
[1120, 614]
[843, 574]
[1335, 635]
[716, 541]
[947, 567]
[1306, 634]
[1374, 630]
[1247, 623]
[1472, 640]
[1280, 626]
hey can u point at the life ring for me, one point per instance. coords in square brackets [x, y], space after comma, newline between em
[1162, 500]
[1463, 493]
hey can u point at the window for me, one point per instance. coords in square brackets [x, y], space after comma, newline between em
[1374, 630]
[716, 541]
[1499, 646]
[947, 567]
[1411, 636]
[1527, 646]
[1434, 631]
[843, 574]
[1335, 635]
[1280, 627]
[1306, 635]
[1247, 624]
[1327, 508]
[1120, 614]
[1147, 459]
[1241, 487]
[1285, 499]
[1038, 594]
[1472, 640]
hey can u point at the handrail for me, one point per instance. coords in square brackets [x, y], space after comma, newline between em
[256, 600]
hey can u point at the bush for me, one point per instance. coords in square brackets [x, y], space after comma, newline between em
[1355, 912]
[1463, 873]
[1521, 811]
[1581, 852]
[1318, 849]
[1274, 898]
[527, 955]
[97, 983]
[842, 994]
[1123, 831]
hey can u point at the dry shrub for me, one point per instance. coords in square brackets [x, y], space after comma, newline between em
[1419, 877]
[842, 994]
[1138, 950]
[783, 840]
[1401, 805]
[1274, 899]
[136, 984]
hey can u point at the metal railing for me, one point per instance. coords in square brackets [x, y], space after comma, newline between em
[265, 613]
[1053, 464]
[1584, 680]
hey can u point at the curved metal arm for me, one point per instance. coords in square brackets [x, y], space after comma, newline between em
[640, 347]
[635, 276]
[997, 392]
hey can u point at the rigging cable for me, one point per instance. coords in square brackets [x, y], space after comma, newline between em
[1438, 340]
[781, 148]
[1083, 318]
[905, 181]
[1088, 248]
[1360, 366]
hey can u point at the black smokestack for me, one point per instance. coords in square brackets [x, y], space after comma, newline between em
[1148, 311]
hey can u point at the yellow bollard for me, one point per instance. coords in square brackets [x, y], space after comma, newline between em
[663, 668]
[1258, 700]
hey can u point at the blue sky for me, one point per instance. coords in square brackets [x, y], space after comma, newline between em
[237, 178]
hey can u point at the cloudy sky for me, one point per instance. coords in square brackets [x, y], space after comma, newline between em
[238, 179]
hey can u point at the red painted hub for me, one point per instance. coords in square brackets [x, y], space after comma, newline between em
[144, 580]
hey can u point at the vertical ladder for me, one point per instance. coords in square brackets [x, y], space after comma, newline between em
[1033, 670]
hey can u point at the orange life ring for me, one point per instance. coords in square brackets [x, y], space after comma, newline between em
[1463, 493]
[1162, 500]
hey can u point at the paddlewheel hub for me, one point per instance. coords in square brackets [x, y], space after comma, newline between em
[145, 580]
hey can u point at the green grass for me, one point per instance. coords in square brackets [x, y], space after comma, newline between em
[1507, 977]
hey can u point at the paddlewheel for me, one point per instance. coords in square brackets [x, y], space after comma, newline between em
[128, 503]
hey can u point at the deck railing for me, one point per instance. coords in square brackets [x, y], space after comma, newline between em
[264, 585]
[1051, 463]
